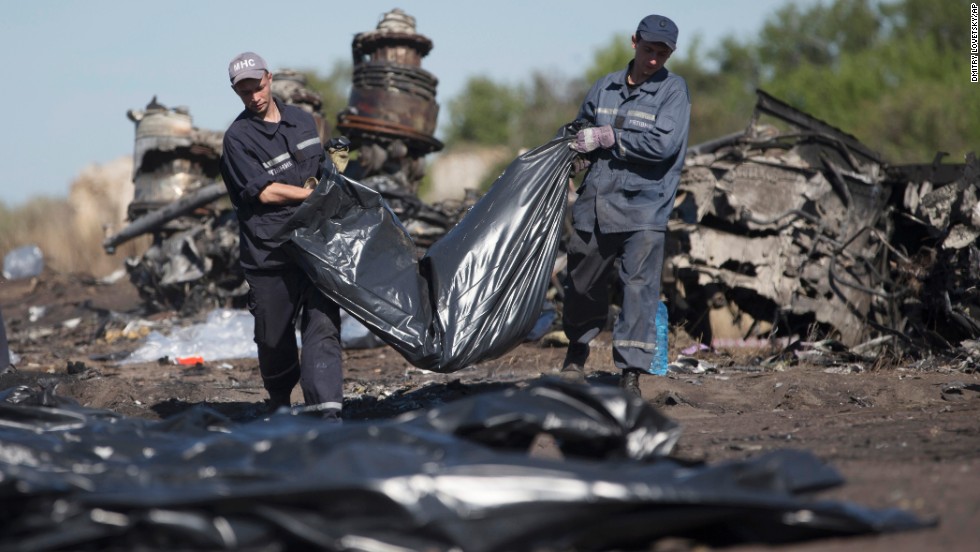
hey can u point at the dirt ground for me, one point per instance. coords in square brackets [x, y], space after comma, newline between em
[903, 436]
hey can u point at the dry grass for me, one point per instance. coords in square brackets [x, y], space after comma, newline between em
[70, 231]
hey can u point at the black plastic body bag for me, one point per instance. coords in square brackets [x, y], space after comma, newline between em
[474, 295]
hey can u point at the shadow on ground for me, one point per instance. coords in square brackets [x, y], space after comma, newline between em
[364, 407]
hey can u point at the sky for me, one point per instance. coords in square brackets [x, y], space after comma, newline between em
[75, 68]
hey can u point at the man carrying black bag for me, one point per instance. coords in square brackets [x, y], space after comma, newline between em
[271, 151]
[636, 145]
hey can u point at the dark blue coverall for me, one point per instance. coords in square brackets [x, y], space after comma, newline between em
[257, 153]
[622, 210]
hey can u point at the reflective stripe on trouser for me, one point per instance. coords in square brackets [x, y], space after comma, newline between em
[276, 297]
[591, 258]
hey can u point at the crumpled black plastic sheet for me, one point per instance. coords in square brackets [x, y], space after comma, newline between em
[474, 295]
[455, 477]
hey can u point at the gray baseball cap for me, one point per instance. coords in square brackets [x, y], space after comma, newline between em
[247, 65]
[657, 28]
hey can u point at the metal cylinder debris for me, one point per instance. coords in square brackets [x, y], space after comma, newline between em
[171, 158]
[392, 111]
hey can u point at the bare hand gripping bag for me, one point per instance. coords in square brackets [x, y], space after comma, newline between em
[474, 295]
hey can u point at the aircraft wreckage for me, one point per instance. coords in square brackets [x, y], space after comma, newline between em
[789, 230]
[797, 229]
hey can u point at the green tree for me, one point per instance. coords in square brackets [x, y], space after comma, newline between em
[484, 113]
[721, 97]
[548, 103]
[892, 74]
[819, 35]
[945, 23]
[611, 57]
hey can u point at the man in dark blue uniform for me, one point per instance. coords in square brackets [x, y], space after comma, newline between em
[635, 149]
[270, 151]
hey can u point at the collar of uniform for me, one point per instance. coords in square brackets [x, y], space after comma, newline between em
[648, 85]
[269, 128]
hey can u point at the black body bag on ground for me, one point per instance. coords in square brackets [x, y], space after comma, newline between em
[474, 295]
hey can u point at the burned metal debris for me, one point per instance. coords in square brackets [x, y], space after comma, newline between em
[936, 262]
[391, 114]
[796, 229]
[391, 120]
[192, 262]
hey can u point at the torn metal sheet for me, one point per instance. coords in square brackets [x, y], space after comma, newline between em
[785, 224]
[935, 259]
[805, 232]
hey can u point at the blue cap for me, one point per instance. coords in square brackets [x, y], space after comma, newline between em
[657, 28]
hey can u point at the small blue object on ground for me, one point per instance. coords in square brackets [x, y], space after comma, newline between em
[658, 366]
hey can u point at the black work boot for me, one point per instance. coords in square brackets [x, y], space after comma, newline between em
[573, 368]
[629, 381]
